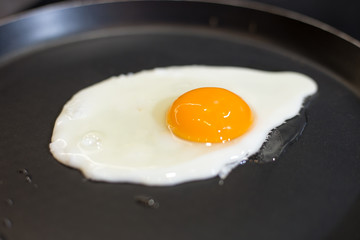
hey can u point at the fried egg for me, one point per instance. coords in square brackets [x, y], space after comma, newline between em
[175, 124]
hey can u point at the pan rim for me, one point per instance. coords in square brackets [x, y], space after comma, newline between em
[262, 7]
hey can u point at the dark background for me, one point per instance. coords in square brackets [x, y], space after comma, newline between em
[341, 14]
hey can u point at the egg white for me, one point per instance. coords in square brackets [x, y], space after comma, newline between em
[116, 131]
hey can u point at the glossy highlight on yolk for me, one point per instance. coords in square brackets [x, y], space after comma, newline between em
[209, 115]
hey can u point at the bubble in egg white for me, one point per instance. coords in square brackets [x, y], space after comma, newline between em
[116, 131]
[91, 142]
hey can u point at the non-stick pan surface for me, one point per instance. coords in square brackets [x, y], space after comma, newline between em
[48, 55]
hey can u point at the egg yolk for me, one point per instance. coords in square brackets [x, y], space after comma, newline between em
[209, 115]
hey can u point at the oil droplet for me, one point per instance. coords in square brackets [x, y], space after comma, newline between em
[7, 223]
[23, 171]
[221, 182]
[9, 202]
[147, 201]
[28, 179]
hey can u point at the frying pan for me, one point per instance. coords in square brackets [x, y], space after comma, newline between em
[310, 192]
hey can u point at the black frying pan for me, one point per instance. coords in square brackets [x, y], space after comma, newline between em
[310, 192]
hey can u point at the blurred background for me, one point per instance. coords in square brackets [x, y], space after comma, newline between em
[341, 14]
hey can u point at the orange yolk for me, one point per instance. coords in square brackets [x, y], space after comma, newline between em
[209, 115]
